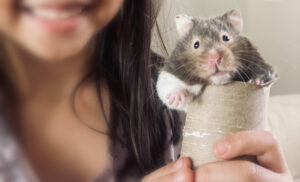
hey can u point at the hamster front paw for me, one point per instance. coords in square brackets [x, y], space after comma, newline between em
[177, 98]
[175, 93]
[257, 82]
[265, 79]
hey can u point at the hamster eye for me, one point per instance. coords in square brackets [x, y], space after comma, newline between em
[225, 38]
[197, 45]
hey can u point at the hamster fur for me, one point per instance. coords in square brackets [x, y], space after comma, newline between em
[209, 51]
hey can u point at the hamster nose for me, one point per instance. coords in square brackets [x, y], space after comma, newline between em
[214, 59]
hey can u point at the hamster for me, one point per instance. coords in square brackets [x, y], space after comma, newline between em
[210, 51]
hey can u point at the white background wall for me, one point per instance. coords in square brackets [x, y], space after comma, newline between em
[272, 25]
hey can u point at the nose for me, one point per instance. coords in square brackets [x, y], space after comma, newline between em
[214, 59]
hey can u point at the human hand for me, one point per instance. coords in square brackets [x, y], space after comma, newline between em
[178, 171]
[270, 167]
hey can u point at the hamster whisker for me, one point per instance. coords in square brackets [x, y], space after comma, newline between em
[243, 71]
[240, 68]
[246, 51]
[253, 63]
[249, 68]
[248, 58]
[246, 68]
[238, 72]
[188, 76]
[183, 66]
[188, 65]
[246, 54]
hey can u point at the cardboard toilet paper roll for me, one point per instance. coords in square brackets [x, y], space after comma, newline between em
[220, 111]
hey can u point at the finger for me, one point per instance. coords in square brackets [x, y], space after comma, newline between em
[235, 171]
[168, 96]
[170, 168]
[186, 93]
[259, 143]
[177, 103]
[183, 99]
[183, 175]
[172, 99]
[258, 82]
[177, 100]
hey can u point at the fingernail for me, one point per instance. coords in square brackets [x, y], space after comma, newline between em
[221, 148]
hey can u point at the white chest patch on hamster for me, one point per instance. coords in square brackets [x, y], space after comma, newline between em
[210, 51]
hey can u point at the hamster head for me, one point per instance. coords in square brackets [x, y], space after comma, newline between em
[209, 47]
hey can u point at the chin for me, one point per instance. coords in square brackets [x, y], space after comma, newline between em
[51, 47]
[221, 79]
[52, 54]
[55, 50]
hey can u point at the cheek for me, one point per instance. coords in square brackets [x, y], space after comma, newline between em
[105, 11]
[200, 63]
[229, 59]
[8, 15]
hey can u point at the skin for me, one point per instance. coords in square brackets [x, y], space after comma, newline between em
[271, 164]
[45, 69]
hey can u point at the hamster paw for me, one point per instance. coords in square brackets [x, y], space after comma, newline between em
[265, 79]
[257, 82]
[177, 96]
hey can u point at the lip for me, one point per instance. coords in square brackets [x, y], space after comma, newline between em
[55, 24]
[54, 4]
[220, 73]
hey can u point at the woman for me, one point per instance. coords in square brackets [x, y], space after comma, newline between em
[77, 84]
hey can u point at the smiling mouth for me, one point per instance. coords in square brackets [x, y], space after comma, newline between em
[56, 11]
[57, 17]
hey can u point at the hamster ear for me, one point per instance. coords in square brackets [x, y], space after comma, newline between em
[234, 17]
[184, 24]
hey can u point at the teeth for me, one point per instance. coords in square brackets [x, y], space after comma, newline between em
[56, 14]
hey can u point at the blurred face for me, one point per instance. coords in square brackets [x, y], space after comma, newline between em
[55, 29]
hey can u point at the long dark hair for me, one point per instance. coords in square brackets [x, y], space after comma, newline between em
[130, 68]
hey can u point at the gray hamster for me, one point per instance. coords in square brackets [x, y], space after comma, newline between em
[210, 51]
